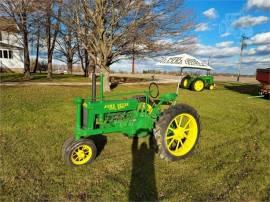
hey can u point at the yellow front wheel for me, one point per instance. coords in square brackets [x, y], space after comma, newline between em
[178, 132]
[211, 87]
[78, 152]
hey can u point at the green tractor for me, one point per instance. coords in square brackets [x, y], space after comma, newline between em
[175, 127]
[198, 83]
[185, 61]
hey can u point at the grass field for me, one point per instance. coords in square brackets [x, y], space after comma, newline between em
[231, 162]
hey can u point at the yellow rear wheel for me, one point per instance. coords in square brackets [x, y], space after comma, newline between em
[198, 85]
[185, 82]
[181, 134]
[177, 132]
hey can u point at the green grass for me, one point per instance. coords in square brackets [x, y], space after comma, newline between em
[231, 162]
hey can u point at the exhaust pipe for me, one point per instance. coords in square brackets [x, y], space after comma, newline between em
[94, 87]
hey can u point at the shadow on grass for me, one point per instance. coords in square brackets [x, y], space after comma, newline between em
[114, 85]
[249, 89]
[143, 180]
[41, 77]
[100, 142]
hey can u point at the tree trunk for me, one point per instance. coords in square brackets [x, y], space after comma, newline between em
[27, 74]
[37, 52]
[50, 36]
[106, 86]
[133, 64]
[49, 76]
[86, 67]
[69, 64]
[91, 69]
[49, 59]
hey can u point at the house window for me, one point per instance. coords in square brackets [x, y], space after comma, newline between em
[1, 36]
[5, 54]
[10, 54]
[1, 54]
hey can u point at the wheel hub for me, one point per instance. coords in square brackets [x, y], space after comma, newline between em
[81, 154]
[179, 133]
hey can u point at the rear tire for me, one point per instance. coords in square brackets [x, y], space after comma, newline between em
[198, 85]
[177, 132]
[185, 82]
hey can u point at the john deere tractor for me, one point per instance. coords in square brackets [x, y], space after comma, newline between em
[175, 127]
[198, 83]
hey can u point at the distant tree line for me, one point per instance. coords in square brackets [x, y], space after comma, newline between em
[98, 33]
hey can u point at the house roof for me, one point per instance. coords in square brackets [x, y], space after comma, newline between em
[4, 45]
[8, 25]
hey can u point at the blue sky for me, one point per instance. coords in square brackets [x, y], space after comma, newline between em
[219, 16]
[219, 25]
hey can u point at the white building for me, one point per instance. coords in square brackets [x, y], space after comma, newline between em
[11, 50]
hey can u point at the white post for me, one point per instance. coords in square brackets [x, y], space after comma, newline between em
[179, 82]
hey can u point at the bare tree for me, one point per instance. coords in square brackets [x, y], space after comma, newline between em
[19, 12]
[67, 43]
[36, 36]
[84, 59]
[52, 27]
[66, 47]
[109, 30]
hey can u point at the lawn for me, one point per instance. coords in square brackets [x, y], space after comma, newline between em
[230, 163]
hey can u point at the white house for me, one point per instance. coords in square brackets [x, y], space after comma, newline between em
[11, 50]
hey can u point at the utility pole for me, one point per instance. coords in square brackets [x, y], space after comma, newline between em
[243, 45]
[208, 63]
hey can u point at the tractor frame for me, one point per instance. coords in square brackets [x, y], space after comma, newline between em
[176, 130]
[131, 117]
[189, 82]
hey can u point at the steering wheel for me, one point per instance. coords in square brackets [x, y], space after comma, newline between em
[153, 90]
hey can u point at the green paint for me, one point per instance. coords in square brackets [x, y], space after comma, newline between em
[207, 79]
[127, 116]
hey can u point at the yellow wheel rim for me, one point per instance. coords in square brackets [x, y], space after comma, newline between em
[181, 134]
[185, 83]
[81, 155]
[198, 86]
[211, 87]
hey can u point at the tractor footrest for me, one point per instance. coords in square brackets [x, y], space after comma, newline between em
[168, 97]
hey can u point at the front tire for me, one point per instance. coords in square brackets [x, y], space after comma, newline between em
[211, 87]
[78, 152]
[177, 132]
